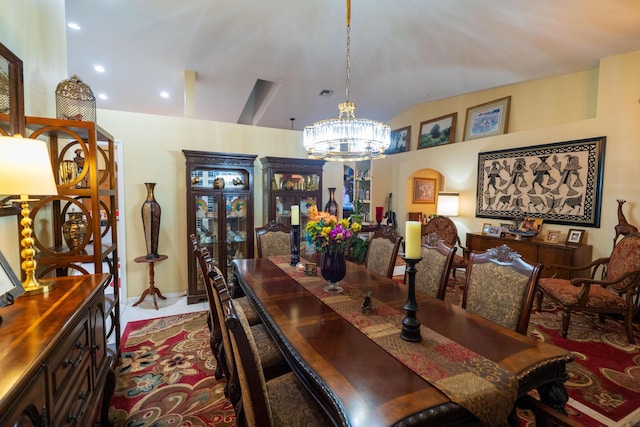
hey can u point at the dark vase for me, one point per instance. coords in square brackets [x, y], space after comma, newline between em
[151, 221]
[74, 230]
[332, 205]
[333, 269]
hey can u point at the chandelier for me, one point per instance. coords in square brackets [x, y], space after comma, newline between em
[347, 138]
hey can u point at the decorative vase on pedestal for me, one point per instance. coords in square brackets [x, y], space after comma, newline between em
[74, 230]
[151, 221]
[333, 269]
[332, 205]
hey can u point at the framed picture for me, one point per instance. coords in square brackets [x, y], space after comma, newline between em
[531, 225]
[424, 190]
[560, 183]
[494, 231]
[400, 141]
[488, 119]
[10, 286]
[485, 228]
[574, 236]
[553, 236]
[437, 131]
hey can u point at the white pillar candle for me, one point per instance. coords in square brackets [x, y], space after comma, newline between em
[412, 240]
[295, 215]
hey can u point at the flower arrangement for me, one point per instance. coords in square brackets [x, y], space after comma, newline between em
[329, 234]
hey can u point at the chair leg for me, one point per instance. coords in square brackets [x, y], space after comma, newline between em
[628, 322]
[539, 296]
[566, 318]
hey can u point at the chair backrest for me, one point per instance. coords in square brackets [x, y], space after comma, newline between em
[445, 229]
[500, 287]
[383, 250]
[247, 365]
[434, 268]
[624, 258]
[273, 239]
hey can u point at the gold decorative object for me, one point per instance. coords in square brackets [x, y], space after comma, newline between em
[74, 230]
[75, 100]
[68, 171]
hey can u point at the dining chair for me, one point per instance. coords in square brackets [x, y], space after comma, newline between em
[383, 251]
[433, 270]
[446, 230]
[500, 287]
[280, 401]
[545, 416]
[612, 287]
[273, 239]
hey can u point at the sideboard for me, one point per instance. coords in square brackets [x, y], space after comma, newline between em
[56, 367]
[535, 250]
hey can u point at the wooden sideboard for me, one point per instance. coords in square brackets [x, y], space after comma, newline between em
[535, 250]
[56, 367]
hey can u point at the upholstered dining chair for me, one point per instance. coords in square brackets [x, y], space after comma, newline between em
[433, 270]
[446, 230]
[500, 287]
[273, 239]
[612, 287]
[280, 401]
[383, 250]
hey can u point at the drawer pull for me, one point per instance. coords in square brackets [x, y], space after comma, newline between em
[82, 396]
[75, 363]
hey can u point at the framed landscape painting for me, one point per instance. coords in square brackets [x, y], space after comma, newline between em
[488, 119]
[400, 140]
[437, 131]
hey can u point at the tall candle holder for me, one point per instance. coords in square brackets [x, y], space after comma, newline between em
[295, 244]
[411, 325]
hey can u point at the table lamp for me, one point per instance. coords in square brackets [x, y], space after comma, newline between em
[25, 169]
[447, 203]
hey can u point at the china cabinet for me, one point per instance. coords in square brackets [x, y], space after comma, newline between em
[75, 231]
[357, 183]
[288, 182]
[219, 211]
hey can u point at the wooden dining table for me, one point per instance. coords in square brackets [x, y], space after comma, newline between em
[362, 381]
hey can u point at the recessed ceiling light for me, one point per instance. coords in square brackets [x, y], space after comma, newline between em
[73, 26]
[164, 94]
[99, 68]
[103, 96]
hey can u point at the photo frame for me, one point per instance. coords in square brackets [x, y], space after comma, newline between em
[574, 236]
[400, 141]
[488, 119]
[438, 131]
[531, 225]
[424, 190]
[560, 183]
[485, 228]
[10, 286]
[552, 236]
[494, 231]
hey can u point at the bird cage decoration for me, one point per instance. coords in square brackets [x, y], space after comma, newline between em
[75, 100]
[4, 92]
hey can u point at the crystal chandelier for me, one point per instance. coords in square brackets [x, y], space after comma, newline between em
[347, 138]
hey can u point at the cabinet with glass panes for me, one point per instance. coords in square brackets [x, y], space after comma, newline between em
[289, 182]
[219, 211]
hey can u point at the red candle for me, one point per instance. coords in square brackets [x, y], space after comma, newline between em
[379, 213]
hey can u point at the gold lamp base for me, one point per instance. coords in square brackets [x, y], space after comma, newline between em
[33, 287]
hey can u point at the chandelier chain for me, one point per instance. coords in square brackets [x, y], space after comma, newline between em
[348, 60]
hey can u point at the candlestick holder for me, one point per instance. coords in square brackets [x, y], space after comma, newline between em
[411, 325]
[295, 244]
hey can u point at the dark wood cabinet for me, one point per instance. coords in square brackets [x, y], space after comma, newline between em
[287, 182]
[534, 250]
[219, 211]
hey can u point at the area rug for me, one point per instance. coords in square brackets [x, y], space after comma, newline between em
[165, 376]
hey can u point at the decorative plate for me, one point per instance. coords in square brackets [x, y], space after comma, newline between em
[305, 205]
[201, 208]
[238, 208]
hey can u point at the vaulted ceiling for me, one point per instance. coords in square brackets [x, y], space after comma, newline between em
[264, 62]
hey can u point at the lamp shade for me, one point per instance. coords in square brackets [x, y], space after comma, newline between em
[25, 167]
[447, 204]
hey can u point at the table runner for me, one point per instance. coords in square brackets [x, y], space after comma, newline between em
[467, 378]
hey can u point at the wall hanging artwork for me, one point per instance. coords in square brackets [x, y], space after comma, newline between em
[438, 131]
[400, 141]
[560, 183]
[488, 119]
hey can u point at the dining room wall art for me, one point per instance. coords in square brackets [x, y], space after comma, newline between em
[437, 131]
[424, 190]
[560, 183]
[488, 119]
[400, 141]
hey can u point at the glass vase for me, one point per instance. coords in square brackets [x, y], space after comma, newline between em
[333, 269]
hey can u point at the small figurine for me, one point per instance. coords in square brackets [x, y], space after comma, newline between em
[366, 304]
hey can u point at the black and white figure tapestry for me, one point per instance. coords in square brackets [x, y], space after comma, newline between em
[560, 182]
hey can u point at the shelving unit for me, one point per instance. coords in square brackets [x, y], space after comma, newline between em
[219, 211]
[358, 184]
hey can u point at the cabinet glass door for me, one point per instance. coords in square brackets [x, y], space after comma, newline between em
[237, 228]
[207, 223]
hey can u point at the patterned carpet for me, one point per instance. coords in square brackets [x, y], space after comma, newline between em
[165, 375]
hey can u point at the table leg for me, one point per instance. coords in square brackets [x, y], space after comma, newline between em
[554, 395]
[142, 297]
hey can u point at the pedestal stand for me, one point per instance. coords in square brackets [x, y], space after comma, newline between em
[152, 290]
[411, 325]
[295, 244]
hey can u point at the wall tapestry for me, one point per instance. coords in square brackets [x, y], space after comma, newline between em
[560, 182]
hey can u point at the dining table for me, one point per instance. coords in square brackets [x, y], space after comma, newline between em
[346, 349]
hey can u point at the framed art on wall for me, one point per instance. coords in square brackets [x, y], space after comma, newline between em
[437, 131]
[488, 119]
[424, 190]
[400, 140]
[560, 183]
